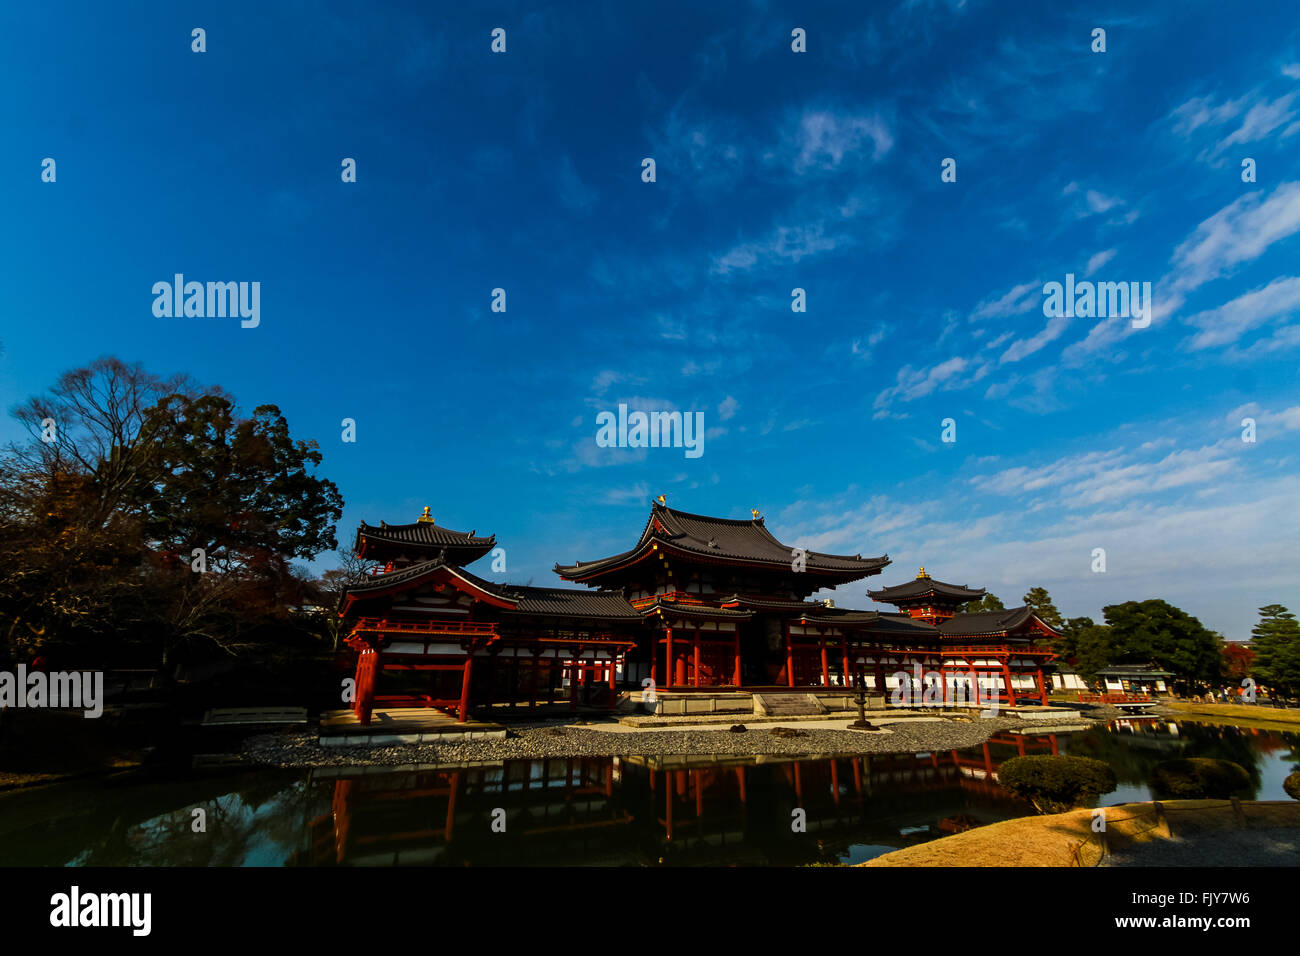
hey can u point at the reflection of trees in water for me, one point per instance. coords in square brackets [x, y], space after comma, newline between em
[721, 815]
[263, 810]
[1133, 756]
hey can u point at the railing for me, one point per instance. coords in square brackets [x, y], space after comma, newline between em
[1114, 698]
[425, 627]
[964, 649]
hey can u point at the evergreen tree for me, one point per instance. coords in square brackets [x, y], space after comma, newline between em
[989, 602]
[1093, 646]
[1156, 632]
[1276, 643]
[1041, 602]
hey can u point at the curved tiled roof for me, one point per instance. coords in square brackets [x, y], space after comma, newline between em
[572, 602]
[412, 575]
[424, 536]
[878, 621]
[706, 612]
[986, 622]
[919, 588]
[724, 540]
[522, 599]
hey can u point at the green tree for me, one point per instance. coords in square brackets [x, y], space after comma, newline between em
[1055, 783]
[989, 602]
[1156, 632]
[1041, 602]
[1276, 643]
[99, 527]
[1093, 646]
[1191, 778]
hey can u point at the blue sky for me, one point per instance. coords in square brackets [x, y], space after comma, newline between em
[775, 171]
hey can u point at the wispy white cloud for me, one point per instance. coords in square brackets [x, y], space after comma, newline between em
[825, 137]
[1021, 298]
[1099, 260]
[1021, 348]
[1227, 323]
[914, 383]
[1237, 233]
[1286, 420]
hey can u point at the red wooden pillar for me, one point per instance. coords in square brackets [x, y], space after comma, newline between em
[654, 660]
[695, 664]
[365, 685]
[575, 670]
[1042, 685]
[1011, 693]
[789, 654]
[1055, 747]
[835, 781]
[679, 672]
[668, 809]
[464, 688]
[844, 646]
[735, 652]
[826, 673]
[740, 775]
[670, 672]
[613, 694]
[451, 807]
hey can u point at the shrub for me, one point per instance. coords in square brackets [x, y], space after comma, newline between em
[1054, 784]
[1199, 777]
[1292, 785]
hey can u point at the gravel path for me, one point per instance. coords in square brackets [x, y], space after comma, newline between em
[559, 740]
[1273, 847]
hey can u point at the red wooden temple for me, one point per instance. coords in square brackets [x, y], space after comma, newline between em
[697, 604]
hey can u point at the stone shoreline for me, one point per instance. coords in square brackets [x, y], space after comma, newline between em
[560, 740]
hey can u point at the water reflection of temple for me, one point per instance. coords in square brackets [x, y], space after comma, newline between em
[674, 810]
[430, 816]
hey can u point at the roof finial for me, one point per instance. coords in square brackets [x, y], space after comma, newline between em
[922, 574]
[754, 512]
[663, 500]
[426, 518]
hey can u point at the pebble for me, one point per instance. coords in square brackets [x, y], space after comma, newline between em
[301, 748]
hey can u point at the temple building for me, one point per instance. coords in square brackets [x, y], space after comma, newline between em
[422, 624]
[698, 604]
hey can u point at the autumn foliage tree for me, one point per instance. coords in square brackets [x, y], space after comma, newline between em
[1237, 661]
[153, 513]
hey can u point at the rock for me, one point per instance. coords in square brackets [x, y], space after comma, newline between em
[787, 732]
[738, 728]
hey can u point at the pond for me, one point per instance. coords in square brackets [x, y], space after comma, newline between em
[592, 811]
